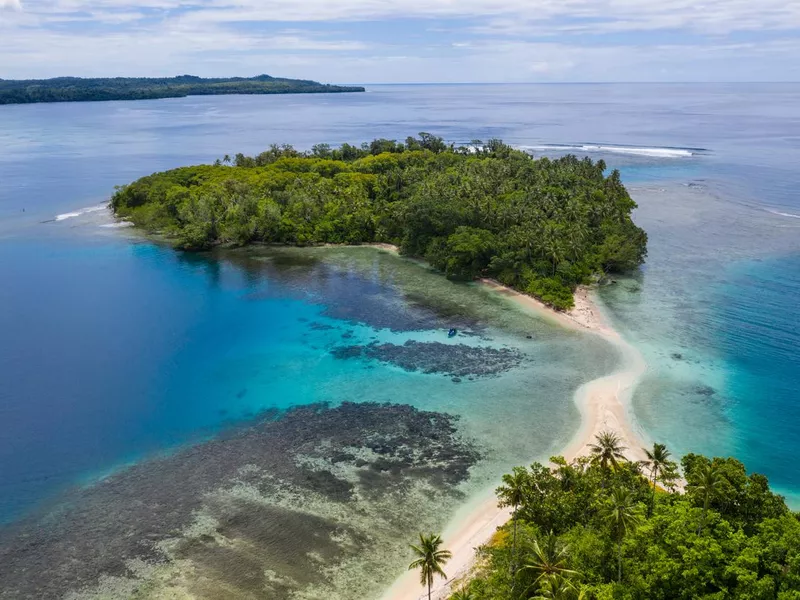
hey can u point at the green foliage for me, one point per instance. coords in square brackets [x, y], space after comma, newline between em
[583, 532]
[607, 451]
[724, 485]
[547, 557]
[464, 255]
[463, 594]
[74, 89]
[542, 226]
[662, 470]
[430, 559]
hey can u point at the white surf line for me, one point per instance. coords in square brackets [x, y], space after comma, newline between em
[79, 212]
[654, 151]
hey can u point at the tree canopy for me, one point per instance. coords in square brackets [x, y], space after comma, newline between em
[485, 210]
[74, 89]
[585, 531]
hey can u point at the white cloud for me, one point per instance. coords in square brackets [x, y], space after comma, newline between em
[509, 16]
[517, 16]
[495, 40]
[214, 51]
[10, 5]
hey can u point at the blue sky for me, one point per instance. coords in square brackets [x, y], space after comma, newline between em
[395, 41]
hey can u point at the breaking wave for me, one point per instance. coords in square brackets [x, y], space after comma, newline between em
[655, 152]
[783, 214]
[78, 213]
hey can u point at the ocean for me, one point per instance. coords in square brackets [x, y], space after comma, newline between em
[119, 356]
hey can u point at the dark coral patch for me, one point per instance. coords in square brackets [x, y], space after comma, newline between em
[385, 448]
[453, 360]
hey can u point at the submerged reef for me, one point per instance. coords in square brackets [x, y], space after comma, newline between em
[373, 298]
[314, 502]
[454, 360]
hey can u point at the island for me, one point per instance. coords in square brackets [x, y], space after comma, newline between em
[482, 210]
[77, 89]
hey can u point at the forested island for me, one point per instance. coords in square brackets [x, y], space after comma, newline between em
[484, 210]
[77, 89]
[602, 528]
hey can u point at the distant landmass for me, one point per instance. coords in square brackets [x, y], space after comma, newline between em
[77, 89]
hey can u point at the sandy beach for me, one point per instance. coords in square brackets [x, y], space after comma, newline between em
[603, 404]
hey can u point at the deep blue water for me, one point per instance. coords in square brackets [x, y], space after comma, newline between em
[759, 329]
[112, 348]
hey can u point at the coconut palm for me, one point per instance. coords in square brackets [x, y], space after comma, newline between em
[559, 587]
[708, 486]
[430, 559]
[623, 515]
[608, 450]
[512, 493]
[462, 594]
[226, 159]
[548, 558]
[657, 461]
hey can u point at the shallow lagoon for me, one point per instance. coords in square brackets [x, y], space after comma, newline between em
[115, 350]
[285, 324]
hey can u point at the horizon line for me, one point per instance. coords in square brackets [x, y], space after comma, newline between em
[621, 82]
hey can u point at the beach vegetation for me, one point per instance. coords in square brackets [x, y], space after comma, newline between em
[463, 593]
[662, 469]
[541, 226]
[430, 559]
[511, 494]
[607, 451]
[588, 529]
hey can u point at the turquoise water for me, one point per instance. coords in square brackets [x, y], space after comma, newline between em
[758, 347]
[115, 350]
[202, 342]
[715, 314]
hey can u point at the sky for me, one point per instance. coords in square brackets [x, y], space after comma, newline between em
[405, 41]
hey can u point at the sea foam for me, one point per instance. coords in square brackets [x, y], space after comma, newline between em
[783, 214]
[654, 152]
[79, 212]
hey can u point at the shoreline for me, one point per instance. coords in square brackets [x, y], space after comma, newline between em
[603, 404]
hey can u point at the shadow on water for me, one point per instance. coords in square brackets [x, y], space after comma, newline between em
[368, 294]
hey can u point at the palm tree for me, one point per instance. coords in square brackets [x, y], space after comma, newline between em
[608, 451]
[430, 559]
[548, 558]
[463, 594]
[708, 486]
[623, 515]
[226, 159]
[559, 587]
[512, 493]
[657, 460]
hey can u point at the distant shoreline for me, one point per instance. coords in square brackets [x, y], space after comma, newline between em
[77, 89]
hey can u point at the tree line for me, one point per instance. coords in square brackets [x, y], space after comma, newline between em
[481, 210]
[604, 528]
[77, 89]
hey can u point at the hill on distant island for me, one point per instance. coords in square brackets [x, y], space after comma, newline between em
[77, 89]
